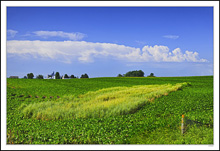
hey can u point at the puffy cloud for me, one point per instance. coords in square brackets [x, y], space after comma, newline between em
[71, 36]
[162, 54]
[82, 51]
[178, 55]
[156, 53]
[193, 56]
[171, 36]
[12, 33]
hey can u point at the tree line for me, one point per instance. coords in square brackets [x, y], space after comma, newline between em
[135, 73]
[57, 76]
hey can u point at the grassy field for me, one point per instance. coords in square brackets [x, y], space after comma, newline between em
[110, 110]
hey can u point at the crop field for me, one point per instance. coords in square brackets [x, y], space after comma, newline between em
[122, 110]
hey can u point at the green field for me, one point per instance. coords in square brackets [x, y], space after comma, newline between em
[110, 110]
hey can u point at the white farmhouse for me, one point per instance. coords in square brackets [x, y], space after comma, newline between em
[51, 76]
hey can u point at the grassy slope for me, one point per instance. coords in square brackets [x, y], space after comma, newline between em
[161, 118]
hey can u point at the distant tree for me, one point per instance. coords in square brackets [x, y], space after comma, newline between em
[57, 75]
[30, 75]
[84, 76]
[135, 73]
[151, 75]
[141, 73]
[66, 76]
[72, 76]
[40, 77]
[25, 77]
[119, 75]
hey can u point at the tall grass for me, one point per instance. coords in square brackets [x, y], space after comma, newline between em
[101, 103]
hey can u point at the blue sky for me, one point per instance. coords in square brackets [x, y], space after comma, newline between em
[106, 41]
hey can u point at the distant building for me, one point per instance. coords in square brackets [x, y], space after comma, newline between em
[51, 76]
[14, 77]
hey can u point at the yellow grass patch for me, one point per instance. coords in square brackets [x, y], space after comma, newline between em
[101, 103]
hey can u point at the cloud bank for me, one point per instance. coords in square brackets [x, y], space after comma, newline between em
[82, 51]
[70, 36]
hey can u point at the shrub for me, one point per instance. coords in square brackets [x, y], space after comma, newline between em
[40, 77]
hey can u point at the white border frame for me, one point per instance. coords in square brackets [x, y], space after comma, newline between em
[214, 4]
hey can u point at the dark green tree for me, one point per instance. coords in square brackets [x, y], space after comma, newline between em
[135, 73]
[57, 75]
[40, 77]
[25, 77]
[66, 76]
[30, 75]
[119, 75]
[72, 76]
[151, 75]
[84, 76]
[141, 73]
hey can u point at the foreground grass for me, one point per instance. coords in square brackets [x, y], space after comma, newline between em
[165, 135]
[102, 103]
[156, 123]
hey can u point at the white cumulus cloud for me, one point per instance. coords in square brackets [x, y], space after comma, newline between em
[11, 33]
[82, 51]
[70, 36]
